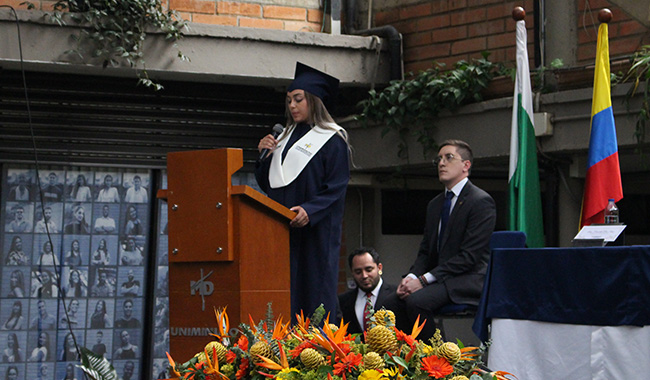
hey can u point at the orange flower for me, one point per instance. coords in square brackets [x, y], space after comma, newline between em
[230, 357]
[280, 329]
[437, 367]
[302, 323]
[243, 343]
[345, 347]
[243, 369]
[172, 365]
[223, 323]
[404, 337]
[347, 363]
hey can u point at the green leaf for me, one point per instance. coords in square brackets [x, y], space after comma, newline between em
[401, 362]
[96, 366]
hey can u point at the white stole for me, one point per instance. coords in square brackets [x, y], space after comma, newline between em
[283, 173]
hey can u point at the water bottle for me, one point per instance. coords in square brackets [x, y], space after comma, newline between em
[611, 212]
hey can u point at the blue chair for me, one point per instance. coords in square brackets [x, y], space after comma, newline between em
[467, 312]
[507, 239]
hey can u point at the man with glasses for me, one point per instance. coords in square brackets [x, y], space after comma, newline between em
[452, 259]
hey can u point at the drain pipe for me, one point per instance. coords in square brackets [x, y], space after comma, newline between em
[386, 31]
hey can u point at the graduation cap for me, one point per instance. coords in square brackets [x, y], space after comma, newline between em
[316, 82]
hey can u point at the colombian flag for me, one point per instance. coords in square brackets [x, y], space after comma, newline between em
[603, 180]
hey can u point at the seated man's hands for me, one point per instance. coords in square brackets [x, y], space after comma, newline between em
[408, 286]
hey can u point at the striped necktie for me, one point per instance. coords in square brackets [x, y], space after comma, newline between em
[366, 311]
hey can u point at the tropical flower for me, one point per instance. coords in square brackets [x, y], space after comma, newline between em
[287, 373]
[243, 369]
[371, 374]
[437, 367]
[272, 349]
[393, 373]
[349, 363]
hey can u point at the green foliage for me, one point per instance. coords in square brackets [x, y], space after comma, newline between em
[409, 107]
[114, 31]
[318, 315]
[96, 367]
[639, 73]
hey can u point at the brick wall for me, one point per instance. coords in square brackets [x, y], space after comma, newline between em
[245, 14]
[625, 34]
[250, 14]
[447, 31]
[450, 30]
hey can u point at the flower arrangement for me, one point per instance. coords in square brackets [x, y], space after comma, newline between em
[273, 349]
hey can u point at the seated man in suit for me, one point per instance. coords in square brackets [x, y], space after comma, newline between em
[451, 262]
[366, 270]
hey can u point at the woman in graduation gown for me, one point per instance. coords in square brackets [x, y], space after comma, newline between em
[308, 171]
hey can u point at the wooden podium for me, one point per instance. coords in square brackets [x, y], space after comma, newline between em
[228, 246]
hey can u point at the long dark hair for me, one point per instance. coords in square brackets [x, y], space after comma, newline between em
[16, 347]
[77, 286]
[15, 315]
[12, 248]
[67, 376]
[78, 246]
[13, 243]
[64, 355]
[104, 182]
[320, 116]
[103, 307]
[21, 280]
[99, 246]
[46, 344]
[75, 189]
[9, 369]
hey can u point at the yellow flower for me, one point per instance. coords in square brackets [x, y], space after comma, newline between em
[393, 373]
[426, 349]
[371, 374]
[285, 373]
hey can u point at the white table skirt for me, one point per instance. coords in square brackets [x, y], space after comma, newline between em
[534, 350]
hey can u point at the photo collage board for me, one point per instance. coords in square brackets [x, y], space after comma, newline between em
[160, 336]
[74, 253]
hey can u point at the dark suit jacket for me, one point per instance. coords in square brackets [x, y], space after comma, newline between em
[462, 260]
[348, 299]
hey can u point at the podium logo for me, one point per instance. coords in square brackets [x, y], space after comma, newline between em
[203, 287]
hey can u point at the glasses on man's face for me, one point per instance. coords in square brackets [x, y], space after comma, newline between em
[448, 157]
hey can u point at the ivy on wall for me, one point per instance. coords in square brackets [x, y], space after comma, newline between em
[410, 107]
[114, 31]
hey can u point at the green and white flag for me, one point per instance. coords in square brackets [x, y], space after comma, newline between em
[524, 201]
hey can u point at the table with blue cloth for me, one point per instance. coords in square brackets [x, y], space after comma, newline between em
[568, 313]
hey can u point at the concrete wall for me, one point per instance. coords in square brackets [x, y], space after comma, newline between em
[222, 54]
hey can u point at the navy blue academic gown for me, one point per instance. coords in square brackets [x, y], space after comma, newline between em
[320, 190]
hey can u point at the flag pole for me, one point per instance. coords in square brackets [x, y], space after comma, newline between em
[605, 16]
[518, 13]
[603, 176]
[524, 194]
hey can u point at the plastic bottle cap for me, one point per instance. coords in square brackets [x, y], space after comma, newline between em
[611, 199]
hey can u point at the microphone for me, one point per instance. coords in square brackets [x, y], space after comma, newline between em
[277, 129]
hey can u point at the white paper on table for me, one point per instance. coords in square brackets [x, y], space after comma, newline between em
[608, 232]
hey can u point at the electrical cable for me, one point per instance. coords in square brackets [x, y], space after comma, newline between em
[57, 265]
